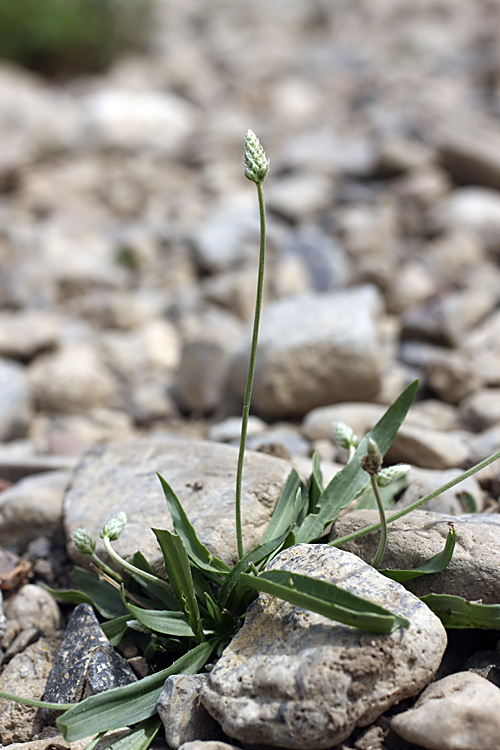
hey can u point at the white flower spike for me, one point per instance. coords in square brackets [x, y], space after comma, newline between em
[114, 527]
[254, 158]
[391, 473]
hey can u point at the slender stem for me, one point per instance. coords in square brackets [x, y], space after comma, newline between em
[417, 503]
[37, 704]
[251, 368]
[102, 565]
[126, 565]
[383, 523]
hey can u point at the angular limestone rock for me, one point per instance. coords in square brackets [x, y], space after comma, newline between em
[184, 717]
[122, 476]
[299, 680]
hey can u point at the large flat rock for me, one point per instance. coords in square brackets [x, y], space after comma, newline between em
[295, 679]
[121, 476]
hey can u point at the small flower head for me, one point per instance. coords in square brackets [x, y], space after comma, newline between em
[114, 527]
[392, 473]
[344, 435]
[372, 461]
[83, 541]
[254, 158]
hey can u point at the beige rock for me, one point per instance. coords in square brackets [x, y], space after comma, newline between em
[300, 196]
[452, 376]
[481, 409]
[428, 448]
[71, 381]
[361, 417]
[22, 335]
[122, 477]
[184, 717]
[474, 568]
[207, 745]
[423, 481]
[474, 209]
[459, 712]
[25, 675]
[295, 679]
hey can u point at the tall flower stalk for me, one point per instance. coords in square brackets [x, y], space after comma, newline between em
[256, 167]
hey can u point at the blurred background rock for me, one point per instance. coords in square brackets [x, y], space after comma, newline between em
[128, 234]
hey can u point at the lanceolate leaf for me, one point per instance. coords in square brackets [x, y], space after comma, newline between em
[326, 599]
[283, 513]
[179, 574]
[114, 630]
[456, 612]
[169, 623]
[229, 596]
[350, 481]
[127, 705]
[434, 564]
[159, 589]
[140, 737]
[183, 528]
[104, 596]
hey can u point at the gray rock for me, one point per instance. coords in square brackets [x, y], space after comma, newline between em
[122, 476]
[206, 356]
[463, 498]
[20, 643]
[483, 445]
[361, 417]
[452, 376]
[19, 459]
[481, 409]
[328, 153]
[86, 663]
[299, 197]
[15, 405]
[314, 350]
[473, 572]
[183, 716]
[32, 507]
[428, 448]
[296, 679]
[33, 607]
[71, 381]
[229, 237]
[26, 675]
[459, 711]
[283, 435]
[207, 745]
[230, 429]
[475, 209]
[486, 664]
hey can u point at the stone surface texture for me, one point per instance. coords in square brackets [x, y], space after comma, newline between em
[295, 679]
[33, 606]
[184, 717]
[459, 712]
[474, 568]
[122, 477]
[26, 675]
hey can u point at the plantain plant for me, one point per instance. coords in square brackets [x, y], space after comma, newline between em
[198, 607]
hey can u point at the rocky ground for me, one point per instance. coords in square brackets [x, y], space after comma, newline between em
[128, 251]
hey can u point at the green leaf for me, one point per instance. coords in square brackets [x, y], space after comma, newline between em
[316, 484]
[115, 629]
[456, 612]
[179, 574]
[159, 590]
[35, 703]
[229, 596]
[350, 481]
[129, 704]
[140, 737]
[326, 599]
[434, 564]
[168, 623]
[104, 597]
[366, 498]
[183, 528]
[282, 519]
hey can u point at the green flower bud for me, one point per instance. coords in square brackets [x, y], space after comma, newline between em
[344, 435]
[372, 461]
[391, 473]
[114, 527]
[83, 541]
[254, 158]
[136, 625]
